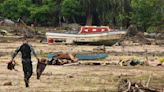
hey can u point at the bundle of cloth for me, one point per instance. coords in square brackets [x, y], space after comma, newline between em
[11, 65]
[41, 65]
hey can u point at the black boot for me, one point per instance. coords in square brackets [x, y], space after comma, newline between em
[26, 82]
[37, 77]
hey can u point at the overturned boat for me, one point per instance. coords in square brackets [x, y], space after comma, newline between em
[91, 56]
[87, 34]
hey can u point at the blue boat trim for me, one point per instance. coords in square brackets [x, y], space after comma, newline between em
[91, 56]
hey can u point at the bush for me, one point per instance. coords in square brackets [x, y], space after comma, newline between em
[151, 29]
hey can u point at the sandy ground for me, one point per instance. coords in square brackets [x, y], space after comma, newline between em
[102, 78]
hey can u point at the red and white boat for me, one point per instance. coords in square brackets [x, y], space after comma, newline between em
[87, 34]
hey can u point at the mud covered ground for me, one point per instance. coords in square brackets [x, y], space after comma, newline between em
[102, 78]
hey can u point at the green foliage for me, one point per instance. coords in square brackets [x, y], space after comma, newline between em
[30, 13]
[148, 15]
[69, 8]
[39, 14]
[93, 7]
[15, 9]
[151, 29]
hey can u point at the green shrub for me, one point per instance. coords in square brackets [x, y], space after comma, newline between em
[151, 29]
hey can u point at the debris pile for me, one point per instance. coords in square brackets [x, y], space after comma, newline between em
[61, 58]
[134, 36]
[20, 28]
[23, 28]
[126, 85]
[159, 39]
[130, 62]
[7, 22]
[99, 49]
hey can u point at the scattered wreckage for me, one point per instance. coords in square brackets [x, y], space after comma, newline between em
[8, 22]
[126, 85]
[64, 58]
[61, 58]
[130, 62]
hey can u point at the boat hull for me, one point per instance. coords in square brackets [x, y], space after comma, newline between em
[86, 38]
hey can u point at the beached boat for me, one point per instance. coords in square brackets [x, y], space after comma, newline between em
[87, 35]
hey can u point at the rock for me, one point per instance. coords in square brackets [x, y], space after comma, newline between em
[70, 76]
[7, 22]
[9, 83]
[3, 32]
[96, 63]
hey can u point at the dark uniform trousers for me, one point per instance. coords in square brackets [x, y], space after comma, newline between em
[27, 69]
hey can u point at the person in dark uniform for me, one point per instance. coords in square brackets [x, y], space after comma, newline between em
[26, 50]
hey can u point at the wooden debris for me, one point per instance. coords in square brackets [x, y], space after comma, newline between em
[134, 37]
[126, 85]
[148, 82]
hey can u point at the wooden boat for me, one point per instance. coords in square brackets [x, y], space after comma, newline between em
[86, 35]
